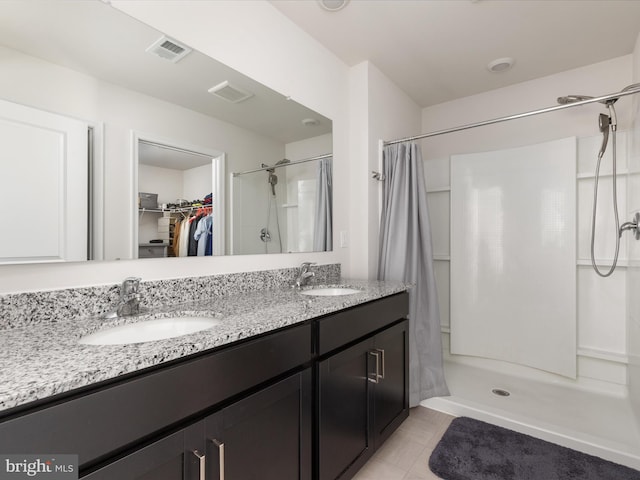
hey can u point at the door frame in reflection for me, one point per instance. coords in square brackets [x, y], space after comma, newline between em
[218, 163]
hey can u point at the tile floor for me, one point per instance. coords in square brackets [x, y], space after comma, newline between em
[405, 455]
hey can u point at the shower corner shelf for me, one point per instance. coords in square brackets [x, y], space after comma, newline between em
[588, 175]
[438, 189]
[586, 262]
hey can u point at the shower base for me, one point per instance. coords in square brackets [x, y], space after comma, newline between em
[591, 421]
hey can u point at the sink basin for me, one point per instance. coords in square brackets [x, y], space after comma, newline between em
[149, 330]
[330, 292]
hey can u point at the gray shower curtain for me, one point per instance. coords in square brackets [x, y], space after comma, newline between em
[323, 230]
[406, 255]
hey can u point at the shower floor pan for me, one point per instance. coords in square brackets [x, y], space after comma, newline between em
[593, 422]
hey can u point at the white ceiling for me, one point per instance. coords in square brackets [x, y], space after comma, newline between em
[93, 38]
[437, 50]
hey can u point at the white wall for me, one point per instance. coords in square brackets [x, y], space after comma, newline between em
[197, 182]
[601, 302]
[380, 111]
[633, 272]
[252, 37]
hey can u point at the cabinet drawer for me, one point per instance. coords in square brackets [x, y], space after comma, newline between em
[339, 329]
[109, 419]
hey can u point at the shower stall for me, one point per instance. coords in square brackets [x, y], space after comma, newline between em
[279, 207]
[517, 381]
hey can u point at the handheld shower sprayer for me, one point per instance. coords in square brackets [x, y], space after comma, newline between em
[604, 121]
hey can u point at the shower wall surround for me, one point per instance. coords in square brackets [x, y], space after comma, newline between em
[25, 309]
[601, 303]
[633, 271]
[601, 335]
[514, 223]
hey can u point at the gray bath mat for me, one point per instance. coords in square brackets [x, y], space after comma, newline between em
[474, 450]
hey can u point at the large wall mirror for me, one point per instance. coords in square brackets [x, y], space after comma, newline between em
[117, 142]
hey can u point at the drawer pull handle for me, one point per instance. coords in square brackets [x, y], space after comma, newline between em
[220, 446]
[382, 362]
[378, 353]
[202, 462]
[375, 378]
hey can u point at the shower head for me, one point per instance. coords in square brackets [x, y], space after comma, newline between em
[603, 122]
[280, 162]
[573, 99]
[580, 98]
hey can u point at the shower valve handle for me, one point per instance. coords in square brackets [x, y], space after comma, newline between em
[633, 225]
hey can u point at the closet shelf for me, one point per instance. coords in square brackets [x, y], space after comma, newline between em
[172, 210]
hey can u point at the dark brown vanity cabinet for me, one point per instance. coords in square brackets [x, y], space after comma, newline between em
[362, 391]
[308, 402]
[266, 436]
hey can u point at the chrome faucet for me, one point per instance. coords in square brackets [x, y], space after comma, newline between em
[303, 274]
[129, 302]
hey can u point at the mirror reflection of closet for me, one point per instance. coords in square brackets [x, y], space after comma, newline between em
[177, 193]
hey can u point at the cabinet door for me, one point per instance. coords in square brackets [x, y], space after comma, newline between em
[391, 392]
[174, 457]
[266, 436]
[345, 440]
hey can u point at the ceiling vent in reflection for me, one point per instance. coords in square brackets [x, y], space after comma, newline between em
[169, 49]
[229, 92]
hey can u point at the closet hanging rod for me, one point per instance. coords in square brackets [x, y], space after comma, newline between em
[295, 162]
[175, 149]
[611, 96]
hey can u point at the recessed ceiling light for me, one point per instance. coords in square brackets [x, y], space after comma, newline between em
[333, 5]
[310, 122]
[501, 64]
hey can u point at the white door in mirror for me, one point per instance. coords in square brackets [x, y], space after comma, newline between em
[46, 177]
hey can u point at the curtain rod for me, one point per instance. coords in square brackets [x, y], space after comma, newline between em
[611, 96]
[295, 162]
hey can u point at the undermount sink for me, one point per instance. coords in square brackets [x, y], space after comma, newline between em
[330, 291]
[149, 330]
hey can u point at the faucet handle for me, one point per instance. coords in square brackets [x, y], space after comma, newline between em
[306, 265]
[131, 285]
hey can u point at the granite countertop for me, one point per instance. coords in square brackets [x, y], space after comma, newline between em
[38, 361]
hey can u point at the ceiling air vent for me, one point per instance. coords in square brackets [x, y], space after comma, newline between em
[169, 49]
[230, 92]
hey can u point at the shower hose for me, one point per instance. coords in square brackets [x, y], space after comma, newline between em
[615, 209]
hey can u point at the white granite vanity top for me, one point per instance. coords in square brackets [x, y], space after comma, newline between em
[45, 359]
